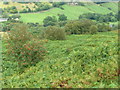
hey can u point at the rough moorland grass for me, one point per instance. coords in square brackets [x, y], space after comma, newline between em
[82, 61]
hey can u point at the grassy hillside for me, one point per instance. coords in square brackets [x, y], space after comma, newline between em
[96, 8]
[19, 6]
[113, 6]
[69, 63]
[72, 12]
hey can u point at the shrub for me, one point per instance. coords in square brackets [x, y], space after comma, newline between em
[72, 27]
[110, 17]
[78, 27]
[81, 4]
[62, 23]
[13, 7]
[5, 2]
[21, 45]
[103, 27]
[61, 7]
[93, 29]
[49, 21]
[23, 11]
[58, 4]
[54, 33]
[62, 17]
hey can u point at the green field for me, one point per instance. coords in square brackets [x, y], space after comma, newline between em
[98, 9]
[113, 6]
[72, 12]
[82, 61]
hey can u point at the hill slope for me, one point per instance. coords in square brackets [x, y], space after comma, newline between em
[69, 63]
[72, 12]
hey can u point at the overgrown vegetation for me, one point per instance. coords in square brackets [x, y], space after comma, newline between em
[100, 17]
[23, 48]
[54, 33]
[81, 61]
[62, 52]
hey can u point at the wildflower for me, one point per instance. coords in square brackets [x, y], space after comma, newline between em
[28, 48]
[24, 63]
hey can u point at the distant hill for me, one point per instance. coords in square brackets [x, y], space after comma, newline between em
[72, 11]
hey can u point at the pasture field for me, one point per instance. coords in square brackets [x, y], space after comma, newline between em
[113, 6]
[72, 12]
[81, 61]
[98, 9]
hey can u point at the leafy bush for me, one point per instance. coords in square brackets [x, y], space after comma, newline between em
[78, 27]
[58, 4]
[23, 11]
[54, 33]
[62, 23]
[81, 4]
[6, 26]
[110, 17]
[103, 27]
[62, 17]
[5, 2]
[23, 47]
[49, 21]
[72, 27]
[93, 29]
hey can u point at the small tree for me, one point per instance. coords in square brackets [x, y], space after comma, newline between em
[93, 29]
[23, 11]
[5, 2]
[62, 17]
[54, 33]
[25, 49]
[49, 21]
[78, 27]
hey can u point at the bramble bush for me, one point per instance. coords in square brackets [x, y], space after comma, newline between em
[23, 47]
[54, 33]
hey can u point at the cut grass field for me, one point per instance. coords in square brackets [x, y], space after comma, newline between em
[72, 12]
[81, 61]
